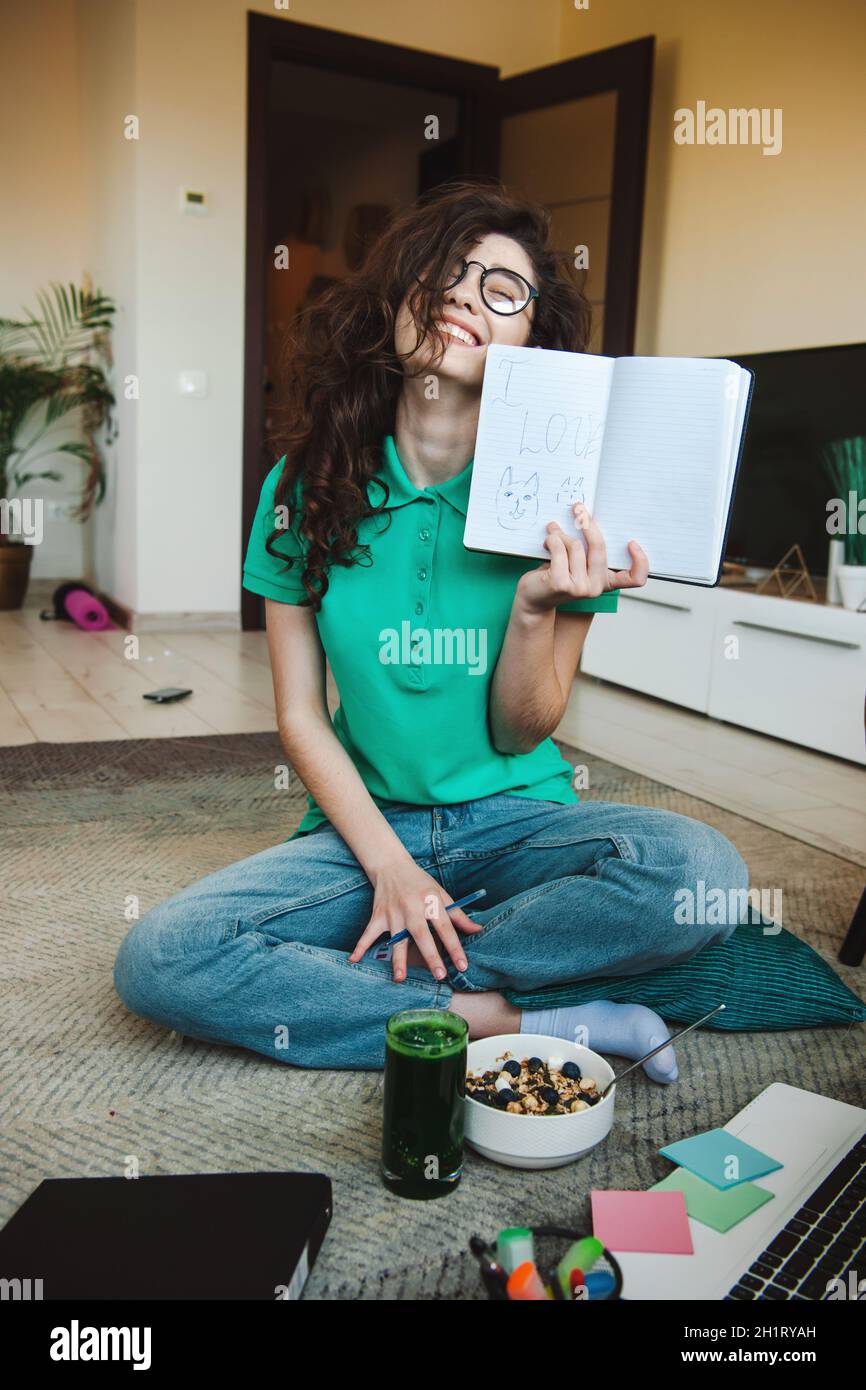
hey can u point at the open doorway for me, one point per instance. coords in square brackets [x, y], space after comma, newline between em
[344, 154]
[340, 137]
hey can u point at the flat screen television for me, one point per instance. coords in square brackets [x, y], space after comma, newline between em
[802, 400]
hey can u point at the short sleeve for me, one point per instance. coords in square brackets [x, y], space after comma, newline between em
[605, 603]
[264, 573]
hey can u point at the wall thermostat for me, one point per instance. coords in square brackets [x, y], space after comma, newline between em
[194, 202]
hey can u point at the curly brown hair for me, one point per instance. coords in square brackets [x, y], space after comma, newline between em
[344, 376]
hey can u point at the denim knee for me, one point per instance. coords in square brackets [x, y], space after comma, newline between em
[714, 879]
[140, 976]
[714, 858]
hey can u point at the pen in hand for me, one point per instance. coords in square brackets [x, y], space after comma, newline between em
[382, 952]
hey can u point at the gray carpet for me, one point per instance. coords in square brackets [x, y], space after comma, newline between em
[85, 1084]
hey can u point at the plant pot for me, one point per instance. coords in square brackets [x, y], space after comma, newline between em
[852, 583]
[15, 561]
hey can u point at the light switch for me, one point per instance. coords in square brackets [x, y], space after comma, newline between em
[193, 384]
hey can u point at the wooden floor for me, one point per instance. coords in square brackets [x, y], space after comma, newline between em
[58, 684]
[61, 685]
[818, 799]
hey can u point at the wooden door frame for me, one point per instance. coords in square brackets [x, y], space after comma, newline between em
[269, 39]
[627, 70]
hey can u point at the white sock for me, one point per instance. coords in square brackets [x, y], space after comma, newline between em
[627, 1030]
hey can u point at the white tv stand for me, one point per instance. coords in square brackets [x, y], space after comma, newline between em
[799, 672]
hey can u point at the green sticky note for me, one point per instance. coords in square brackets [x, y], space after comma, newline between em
[718, 1209]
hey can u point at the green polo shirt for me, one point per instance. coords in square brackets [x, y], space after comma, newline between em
[413, 638]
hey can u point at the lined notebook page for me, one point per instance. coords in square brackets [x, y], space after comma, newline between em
[665, 470]
[540, 431]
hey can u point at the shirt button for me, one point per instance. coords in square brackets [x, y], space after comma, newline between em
[424, 534]
[419, 608]
[422, 574]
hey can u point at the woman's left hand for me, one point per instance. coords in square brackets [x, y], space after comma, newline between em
[574, 572]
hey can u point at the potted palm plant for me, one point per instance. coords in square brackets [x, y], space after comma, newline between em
[845, 463]
[52, 365]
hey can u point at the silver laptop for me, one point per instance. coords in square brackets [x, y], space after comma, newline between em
[792, 1247]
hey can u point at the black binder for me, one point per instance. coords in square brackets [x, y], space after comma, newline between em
[196, 1236]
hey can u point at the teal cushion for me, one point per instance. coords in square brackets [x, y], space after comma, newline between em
[766, 981]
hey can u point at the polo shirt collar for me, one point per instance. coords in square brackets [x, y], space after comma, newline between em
[455, 490]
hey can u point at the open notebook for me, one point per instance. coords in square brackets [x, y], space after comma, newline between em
[651, 444]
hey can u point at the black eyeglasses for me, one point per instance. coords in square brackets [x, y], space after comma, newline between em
[503, 291]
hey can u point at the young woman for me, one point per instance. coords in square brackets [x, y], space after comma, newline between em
[438, 775]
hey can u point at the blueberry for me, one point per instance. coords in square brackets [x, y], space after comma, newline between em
[547, 1093]
[513, 1068]
[535, 1064]
[483, 1097]
[572, 1071]
[504, 1098]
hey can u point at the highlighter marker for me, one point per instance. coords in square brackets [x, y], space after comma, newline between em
[524, 1284]
[514, 1247]
[581, 1255]
[600, 1284]
[553, 1286]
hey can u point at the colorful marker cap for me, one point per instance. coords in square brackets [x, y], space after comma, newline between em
[514, 1246]
[581, 1255]
[525, 1284]
[600, 1284]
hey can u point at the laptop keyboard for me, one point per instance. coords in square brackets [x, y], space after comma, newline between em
[825, 1240]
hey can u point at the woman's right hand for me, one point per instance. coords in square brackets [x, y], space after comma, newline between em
[407, 897]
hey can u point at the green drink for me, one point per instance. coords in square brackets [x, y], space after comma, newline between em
[425, 1074]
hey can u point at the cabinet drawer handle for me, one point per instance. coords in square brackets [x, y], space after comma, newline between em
[803, 636]
[658, 603]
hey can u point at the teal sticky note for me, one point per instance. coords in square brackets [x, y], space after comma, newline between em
[711, 1156]
[719, 1210]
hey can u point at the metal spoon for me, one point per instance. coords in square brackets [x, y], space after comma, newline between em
[661, 1047]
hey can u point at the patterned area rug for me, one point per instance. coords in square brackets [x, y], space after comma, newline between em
[85, 1084]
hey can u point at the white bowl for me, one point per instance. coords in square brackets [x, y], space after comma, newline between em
[536, 1141]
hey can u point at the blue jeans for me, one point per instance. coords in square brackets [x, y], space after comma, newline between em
[256, 955]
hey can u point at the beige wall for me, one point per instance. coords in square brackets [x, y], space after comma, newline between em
[191, 71]
[106, 53]
[169, 539]
[742, 251]
[42, 227]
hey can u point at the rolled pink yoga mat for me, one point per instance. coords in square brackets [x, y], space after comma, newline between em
[87, 611]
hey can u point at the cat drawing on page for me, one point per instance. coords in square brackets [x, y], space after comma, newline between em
[516, 501]
[570, 490]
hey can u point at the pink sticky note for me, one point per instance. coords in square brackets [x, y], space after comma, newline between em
[654, 1222]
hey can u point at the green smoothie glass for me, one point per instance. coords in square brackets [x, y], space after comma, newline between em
[425, 1075]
